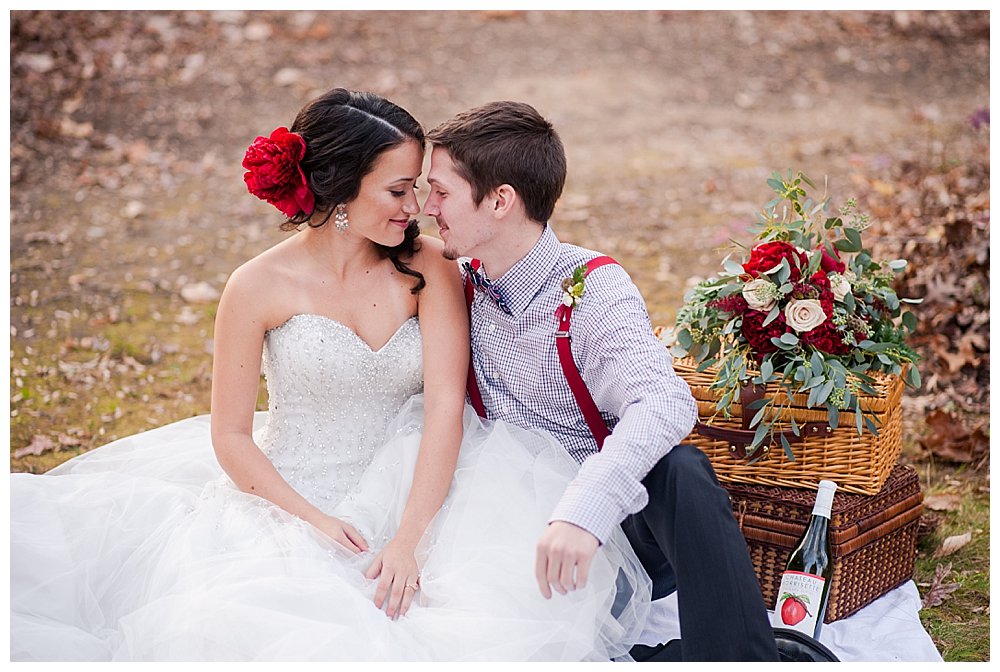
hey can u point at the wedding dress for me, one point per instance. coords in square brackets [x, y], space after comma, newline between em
[145, 550]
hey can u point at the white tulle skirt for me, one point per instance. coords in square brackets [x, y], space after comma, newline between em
[144, 550]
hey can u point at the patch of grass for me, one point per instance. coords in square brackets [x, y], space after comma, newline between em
[960, 626]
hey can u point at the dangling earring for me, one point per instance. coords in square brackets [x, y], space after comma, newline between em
[340, 219]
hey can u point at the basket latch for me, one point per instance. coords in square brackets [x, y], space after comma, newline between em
[739, 439]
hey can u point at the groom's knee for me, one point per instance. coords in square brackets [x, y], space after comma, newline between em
[684, 466]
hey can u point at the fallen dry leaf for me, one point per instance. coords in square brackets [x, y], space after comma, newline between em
[39, 444]
[67, 440]
[949, 439]
[943, 502]
[939, 590]
[953, 544]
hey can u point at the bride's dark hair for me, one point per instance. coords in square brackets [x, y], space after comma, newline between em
[345, 132]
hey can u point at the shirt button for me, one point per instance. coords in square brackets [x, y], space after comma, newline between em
[493, 327]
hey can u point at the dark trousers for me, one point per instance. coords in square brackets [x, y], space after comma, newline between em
[688, 540]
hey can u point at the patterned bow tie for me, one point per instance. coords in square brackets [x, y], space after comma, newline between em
[483, 284]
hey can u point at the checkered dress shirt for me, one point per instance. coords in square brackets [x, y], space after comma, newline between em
[627, 370]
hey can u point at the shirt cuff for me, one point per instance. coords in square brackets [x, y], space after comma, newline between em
[597, 513]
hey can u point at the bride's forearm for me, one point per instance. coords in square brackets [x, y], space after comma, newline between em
[432, 475]
[253, 473]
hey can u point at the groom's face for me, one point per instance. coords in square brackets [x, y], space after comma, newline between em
[464, 227]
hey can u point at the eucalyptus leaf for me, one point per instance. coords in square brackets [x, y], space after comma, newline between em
[872, 427]
[758, 416]
[685, 339]
[707, 364]
[772, 315]
[854, 236]
[787, 448]
[824, 392]
[845, 245]
[678, 351]
[834, 415]
[733, 267]
[789, 339]
[784, 272]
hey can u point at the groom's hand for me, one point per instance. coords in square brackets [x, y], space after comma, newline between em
[563, 558]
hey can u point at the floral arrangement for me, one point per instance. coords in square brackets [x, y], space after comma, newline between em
[808, 309]
[274, 173]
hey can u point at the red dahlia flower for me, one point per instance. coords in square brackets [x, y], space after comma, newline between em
[826, 338]
[274, 174]
[734, 303]
[757, 336]
[766, 256]
[831, 263]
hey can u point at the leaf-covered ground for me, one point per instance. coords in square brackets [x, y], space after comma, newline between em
[128, 209]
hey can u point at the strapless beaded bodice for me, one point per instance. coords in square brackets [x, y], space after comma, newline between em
[331, 399]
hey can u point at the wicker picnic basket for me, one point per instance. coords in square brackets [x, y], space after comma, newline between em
[873, 538]
[857, 463]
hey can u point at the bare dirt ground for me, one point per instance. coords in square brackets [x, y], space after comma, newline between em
[128, 208]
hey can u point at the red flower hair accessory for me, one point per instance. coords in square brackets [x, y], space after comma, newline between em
[275, 175]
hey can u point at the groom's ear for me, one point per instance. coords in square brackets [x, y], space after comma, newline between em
[502, 201]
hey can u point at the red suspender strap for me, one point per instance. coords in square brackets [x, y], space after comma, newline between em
[472, 386]
[591, 414]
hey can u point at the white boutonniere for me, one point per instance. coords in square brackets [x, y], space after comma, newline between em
[573, 287]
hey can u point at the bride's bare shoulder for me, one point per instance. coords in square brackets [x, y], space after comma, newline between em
[429, 258]
[272, 273]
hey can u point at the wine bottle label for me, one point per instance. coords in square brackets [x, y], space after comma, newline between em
[800, 597]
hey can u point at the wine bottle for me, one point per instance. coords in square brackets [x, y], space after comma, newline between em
[805, 583]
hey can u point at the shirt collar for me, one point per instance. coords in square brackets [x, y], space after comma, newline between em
[522, 282]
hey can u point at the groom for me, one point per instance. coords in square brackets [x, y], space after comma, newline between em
[496, 174]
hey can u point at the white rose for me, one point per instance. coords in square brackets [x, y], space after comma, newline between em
[840, 286]
[568, 300]
[752, 294]
[804, 315]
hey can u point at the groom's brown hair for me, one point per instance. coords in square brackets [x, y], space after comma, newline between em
[507, 142]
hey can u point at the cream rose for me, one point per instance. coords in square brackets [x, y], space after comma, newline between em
[804, 315]
[756, 295]
[840, 286]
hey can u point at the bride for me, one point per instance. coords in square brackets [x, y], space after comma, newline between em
[369, 514]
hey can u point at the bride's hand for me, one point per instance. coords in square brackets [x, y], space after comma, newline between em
[343, 533]
[399, 578]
